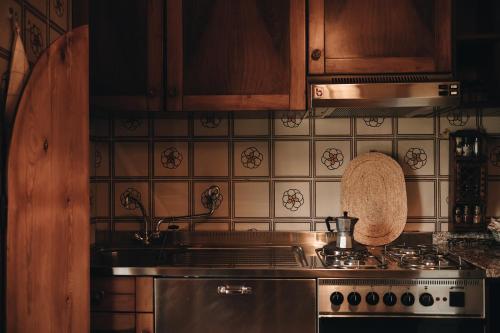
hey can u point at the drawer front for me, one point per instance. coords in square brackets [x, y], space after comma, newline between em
[243, 306]
[113, 294]
[113, 323]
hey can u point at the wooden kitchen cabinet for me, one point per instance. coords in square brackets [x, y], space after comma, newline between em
[379, 36]
[127, 54]
[122, 304]
[235, 55]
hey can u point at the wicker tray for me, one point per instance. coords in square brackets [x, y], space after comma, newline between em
[374, 190]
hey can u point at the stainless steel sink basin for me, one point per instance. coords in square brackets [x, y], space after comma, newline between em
[258, 256]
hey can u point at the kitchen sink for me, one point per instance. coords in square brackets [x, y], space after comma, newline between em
[251, 257]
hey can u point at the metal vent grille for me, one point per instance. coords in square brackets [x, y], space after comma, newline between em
[379, 79]
[398, 282]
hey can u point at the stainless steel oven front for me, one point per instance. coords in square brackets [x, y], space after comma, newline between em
[401, 305]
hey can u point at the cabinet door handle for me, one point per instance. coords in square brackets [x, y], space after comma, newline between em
[316, 54]
[234, 290]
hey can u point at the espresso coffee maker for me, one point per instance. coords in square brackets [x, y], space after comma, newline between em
[345, 230]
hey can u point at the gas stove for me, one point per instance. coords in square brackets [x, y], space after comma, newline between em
[399, 280]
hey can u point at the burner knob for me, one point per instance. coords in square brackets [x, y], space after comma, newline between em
[372, 298]
[426, 299]
[354, 298]
[336, 298]
[408, 299]
[390, 299]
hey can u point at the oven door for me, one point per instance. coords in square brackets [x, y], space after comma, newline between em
[400, 325]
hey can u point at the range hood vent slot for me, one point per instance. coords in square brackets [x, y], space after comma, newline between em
[352, 79]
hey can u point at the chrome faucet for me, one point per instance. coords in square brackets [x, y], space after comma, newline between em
[144, 235]
[151, 228]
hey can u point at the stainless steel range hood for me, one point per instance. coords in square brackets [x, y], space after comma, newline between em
[382, 95]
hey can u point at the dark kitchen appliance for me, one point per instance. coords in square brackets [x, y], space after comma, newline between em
[399, 288]
[382, 95]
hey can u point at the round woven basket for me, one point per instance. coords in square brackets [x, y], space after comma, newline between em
[374, 190]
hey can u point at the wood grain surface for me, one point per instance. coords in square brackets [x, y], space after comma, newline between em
[48, 207]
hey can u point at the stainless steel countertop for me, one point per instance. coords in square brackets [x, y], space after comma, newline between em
[261, 256]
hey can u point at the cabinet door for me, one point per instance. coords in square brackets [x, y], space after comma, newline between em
[126, 54]
[379, 36]
[243, 306]
[235, 54]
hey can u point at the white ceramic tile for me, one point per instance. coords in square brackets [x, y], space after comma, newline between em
[373, 126]
[421, 198]
[327, 199]
[492, 124]
[494, 157]
[171, 159]
[457, 120]
[251, 127]
[380, 146]
[444, 226]
[444, 157]
[292, 199]
[332, 126]
[99, 159]
[332, 157]
[132, 126]
[222, 204]
[128, 226]
[420, 227]
[493, 207]
[211, 226]
[251, 159]
[59, 11]
[139, 190]
[251, 226]
[211, 159]
[171, 127]
[131, 159]
[321, 226]
[416, 157]
[291, 123]
[443, 198]
[171, 198]
[99, 199]
[291, 158]
[211, 124]
[251, 199]
[36, 36]
[415, 126]
[8, 8]
[292, 226]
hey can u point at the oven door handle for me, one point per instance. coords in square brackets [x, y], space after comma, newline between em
[234, 290]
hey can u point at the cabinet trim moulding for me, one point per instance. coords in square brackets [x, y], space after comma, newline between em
[235, 102]
[380, 65]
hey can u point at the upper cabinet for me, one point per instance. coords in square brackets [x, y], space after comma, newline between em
[379, 36]
[126, 44]
[236, 55]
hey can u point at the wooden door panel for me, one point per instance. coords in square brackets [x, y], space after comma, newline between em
[379, 36]
[127, 54]
[236, 47]
[379, 28]
[48, 190]
[235, 55]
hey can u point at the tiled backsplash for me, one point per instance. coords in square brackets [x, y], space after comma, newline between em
[41, 22]
[275, 173]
